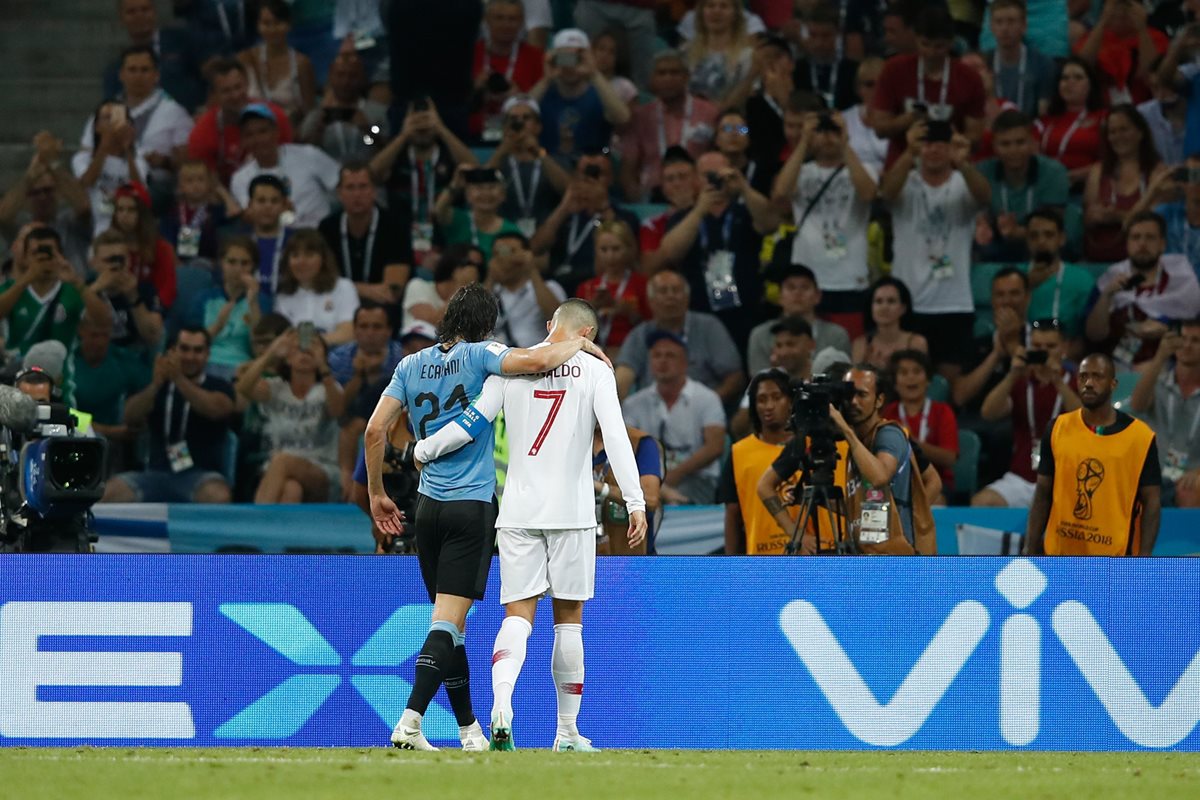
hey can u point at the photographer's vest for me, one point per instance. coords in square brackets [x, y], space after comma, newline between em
[1094, 508]
[750, 458]
[863, 498]
[614, 518]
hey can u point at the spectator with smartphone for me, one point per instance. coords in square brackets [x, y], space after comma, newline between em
[311, 290]
[1167, 399]
[152, 257]
[417, 166]
[1058, 290]
[136, 312]
[503, 66]
[347, 123]
[1175, 195]
[1038, 387]
[579, 106]
[679, 190]
[1135, 299]
[536, 181]
[527, 301]
[112, 161]
[231, 310]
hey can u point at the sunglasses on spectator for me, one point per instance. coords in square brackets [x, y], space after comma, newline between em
[741, 130]
[1049, 324]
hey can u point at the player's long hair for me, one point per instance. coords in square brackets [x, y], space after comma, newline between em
[470, 315]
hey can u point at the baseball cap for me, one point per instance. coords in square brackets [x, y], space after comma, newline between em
[520, 100]
[419, 328]
[46, 358]
[257, 111]
[571, 38]
[137, 191]
[658, 334]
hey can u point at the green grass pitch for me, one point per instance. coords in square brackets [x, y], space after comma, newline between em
[357, 774]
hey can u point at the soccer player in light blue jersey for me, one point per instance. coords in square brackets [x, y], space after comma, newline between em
[456, 512]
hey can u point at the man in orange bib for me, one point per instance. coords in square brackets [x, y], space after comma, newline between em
[1099, 479]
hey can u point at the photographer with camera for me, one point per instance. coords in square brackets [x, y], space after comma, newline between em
[886, 501]
[535, 179]
[1035, 390]
[579, 105]
[503, 66]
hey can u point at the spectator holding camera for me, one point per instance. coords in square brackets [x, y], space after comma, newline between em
[1166, 397]
[1036, 389]
[618, 292]
[480, 223]
[426, 300]
[300, 409]
[346, 123]
[216, 138]
[716, 243]
[579, 106]
[45, 297]
[1123, 47]
[232, 310]
[928, 86]
[152, 257]
[1128, 162]
[1071, 127]
[1136, 299]
[136, 313]
[750, 528]
[886, 502]
[310, 289]
[831, 200]
[674, 118]
[678, 187]
[934, 202]
[526, 300]
[310, 175]
[568, 234]
[1058, 290]
[536, 181]
[187, 413]
[1175, 195]
[931, 424]
[112, 162]
[372, 245]
[36, 196]
[503, 65]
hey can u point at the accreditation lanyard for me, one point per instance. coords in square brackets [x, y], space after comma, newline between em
[726, 230]
[275, 259]
[223, 19]
[921, 81]
[830, 96]
[1062, 143]
[684, 126]
[773, 104]
[1173, 406]
[924, 431]
[168, 408]
[368, 250]
[196, 222]
[1004, 198]
[576, 237]
[430, 169]
[525, 201]
[606, 324]
[512, 56]
[1020, 74]
[1034, 434]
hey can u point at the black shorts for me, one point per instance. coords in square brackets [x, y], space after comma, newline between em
[454, 545]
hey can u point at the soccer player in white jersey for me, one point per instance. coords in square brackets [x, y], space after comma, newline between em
[546, 529]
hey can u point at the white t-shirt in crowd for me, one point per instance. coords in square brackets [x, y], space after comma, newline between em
[870, 149]
[833, 240]
[930, 224]
[325, 311]
[521, 322]
[114, 173]
[550, 419]
[680, 428]
[419, 291]
[309, 173]
[167, 128]
[300, 426]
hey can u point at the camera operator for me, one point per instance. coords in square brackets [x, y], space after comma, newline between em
[886, 500]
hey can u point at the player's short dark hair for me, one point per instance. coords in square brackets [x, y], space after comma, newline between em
[1008, 272]
[470, 315]
[1011, 120]
[139, 50]
[1050, 214]
[773, 375]
[918, 357]
[1148, 216]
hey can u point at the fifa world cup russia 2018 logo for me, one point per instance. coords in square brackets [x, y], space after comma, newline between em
[1088, 478]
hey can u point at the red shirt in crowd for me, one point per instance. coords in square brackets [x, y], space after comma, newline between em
[1117, 60]
[652, 231]
[219, 144]
[523, 72]
[939, 428]
[897, 89]
[631, 288]
[1046, 407]
[160, 272]
[1072, 145]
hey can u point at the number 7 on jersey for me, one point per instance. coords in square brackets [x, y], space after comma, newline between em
[555, 396]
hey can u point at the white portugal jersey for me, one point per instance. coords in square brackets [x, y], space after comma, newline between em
[550, 419]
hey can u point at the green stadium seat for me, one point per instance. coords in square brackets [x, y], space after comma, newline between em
[1125, 383]
[981, 282]
[645, 211]
[966, 468]
[939, 388]
[1095, 268]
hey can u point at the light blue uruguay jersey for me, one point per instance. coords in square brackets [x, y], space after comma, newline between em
[436, 386]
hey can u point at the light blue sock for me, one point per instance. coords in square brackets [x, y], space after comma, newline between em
[449, 627]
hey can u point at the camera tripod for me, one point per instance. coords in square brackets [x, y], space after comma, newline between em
[815, 496]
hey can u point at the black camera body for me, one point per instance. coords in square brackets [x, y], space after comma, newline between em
[810, 419]
[401, 486]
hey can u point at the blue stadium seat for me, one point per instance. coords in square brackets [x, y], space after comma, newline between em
[229, 462]
[939, 388]
[966, 468]
[645, 211]
[193, 282]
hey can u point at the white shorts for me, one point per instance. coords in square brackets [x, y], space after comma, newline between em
[1015, 490]
[560, 563]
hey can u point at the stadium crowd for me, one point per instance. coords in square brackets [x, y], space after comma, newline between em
[274, 201]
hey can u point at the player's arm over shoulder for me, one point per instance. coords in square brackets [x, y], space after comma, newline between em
[467, 426]
[544, 357]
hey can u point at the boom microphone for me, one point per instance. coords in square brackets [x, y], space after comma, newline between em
[18, 411]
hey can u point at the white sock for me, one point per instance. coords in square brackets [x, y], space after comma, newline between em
[566, 665]
[508, 656]
[410, 719]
